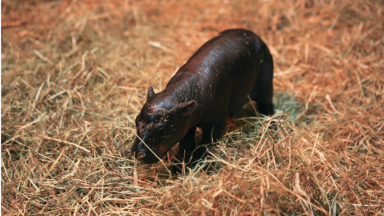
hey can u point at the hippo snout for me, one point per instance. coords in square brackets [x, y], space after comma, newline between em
[143, 153]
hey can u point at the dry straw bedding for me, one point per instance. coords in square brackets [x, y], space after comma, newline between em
[74, 76]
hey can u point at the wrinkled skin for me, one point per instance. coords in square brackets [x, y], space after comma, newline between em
[214, 83]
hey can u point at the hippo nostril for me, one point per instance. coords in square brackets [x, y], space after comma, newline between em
[141, 153]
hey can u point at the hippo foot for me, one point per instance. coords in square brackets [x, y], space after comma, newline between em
[176, 169]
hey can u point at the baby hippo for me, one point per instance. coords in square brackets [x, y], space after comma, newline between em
[215, 82]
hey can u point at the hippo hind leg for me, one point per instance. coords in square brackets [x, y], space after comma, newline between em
[263, 90]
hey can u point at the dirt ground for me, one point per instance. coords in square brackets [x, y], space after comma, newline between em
[74, 75]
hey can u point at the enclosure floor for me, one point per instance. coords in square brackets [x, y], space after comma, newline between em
[74, 75]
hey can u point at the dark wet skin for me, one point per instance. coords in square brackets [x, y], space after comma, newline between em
[214, 83]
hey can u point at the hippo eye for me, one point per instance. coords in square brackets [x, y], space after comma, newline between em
[161, 132]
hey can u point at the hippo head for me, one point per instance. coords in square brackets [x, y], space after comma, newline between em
[162, 122]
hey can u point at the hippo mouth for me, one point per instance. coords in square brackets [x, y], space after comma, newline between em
[147, 157]
[141, 152]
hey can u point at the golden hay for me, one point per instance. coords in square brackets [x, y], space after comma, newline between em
[75, 73]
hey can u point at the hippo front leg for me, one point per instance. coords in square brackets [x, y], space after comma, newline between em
[186, 147]
[211, 133]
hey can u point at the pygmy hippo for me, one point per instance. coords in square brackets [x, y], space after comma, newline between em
[215, 82]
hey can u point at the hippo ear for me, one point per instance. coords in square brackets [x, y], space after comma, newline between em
[150, 92]
[186, 108]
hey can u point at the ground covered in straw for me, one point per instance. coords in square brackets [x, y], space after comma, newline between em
[75, 73]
